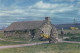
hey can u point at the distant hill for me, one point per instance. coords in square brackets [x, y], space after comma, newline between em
[67, 26]
[1, 29]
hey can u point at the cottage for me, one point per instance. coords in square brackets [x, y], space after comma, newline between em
[31, 29]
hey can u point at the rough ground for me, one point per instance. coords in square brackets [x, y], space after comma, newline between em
[22, 45]
[31, 44]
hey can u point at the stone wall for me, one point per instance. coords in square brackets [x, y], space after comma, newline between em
[53, 36]
[17, 34]
[38, 34]
[46, 29]
[23, 34]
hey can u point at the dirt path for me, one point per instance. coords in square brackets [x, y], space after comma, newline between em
[22, 45]
[70, 42]
[31, 44]
[60, 40]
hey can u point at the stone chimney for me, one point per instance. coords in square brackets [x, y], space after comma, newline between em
[47, 19]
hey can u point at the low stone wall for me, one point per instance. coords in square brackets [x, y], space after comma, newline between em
[23, 35]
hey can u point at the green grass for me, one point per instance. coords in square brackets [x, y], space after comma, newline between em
[23, 41]
[73, 39]
[2, 42]
[71, 35]
[1, 35]
[46, 48]
[13, 41]
[10, 43]
[18, 39]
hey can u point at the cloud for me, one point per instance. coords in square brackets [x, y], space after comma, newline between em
[42, 5]
[11, 12]
[5, 23]
[14, 11]
[38, 9]
[53, 8]
[57, 10]
[62, 0]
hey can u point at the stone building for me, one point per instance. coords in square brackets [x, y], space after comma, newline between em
[31, 29]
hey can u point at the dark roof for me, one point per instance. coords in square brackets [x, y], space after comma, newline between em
[24, 25]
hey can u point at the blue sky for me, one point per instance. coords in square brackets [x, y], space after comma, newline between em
[60, 11]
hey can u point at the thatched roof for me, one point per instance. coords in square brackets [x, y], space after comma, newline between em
[24, 25]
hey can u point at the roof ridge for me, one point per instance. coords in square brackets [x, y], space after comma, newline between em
[27, 21]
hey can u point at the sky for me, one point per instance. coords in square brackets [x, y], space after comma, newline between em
[59, 11]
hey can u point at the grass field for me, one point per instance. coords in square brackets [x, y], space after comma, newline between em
[69, 31]
[7, 42]
[72, 37]
[1, 35]
[23, 41]
[46, 48]
[2, 43]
